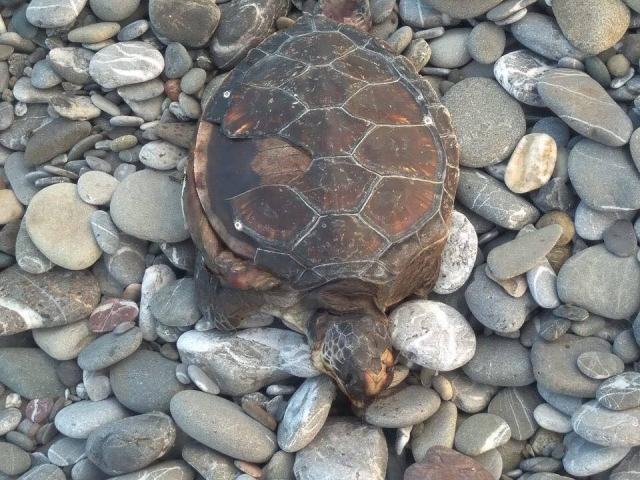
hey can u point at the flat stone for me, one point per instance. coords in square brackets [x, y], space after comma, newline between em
[458, 256]
[29, 372]
[80, 419]
[532, 163]
[146, 204]
[96, 188]
[541, 34]
[145, 382]
[242, 24]
[499, 361]
[585, 106]
[177, 61]
[551, 419]
[35, 301]
[247, 360]
[222, 426]
[605, 427]
[9, 419]
[13, 460]
[279, 467]
[625, 347]
[450, 50]
[180, 134]
[601, 282]
[132, 443]
[161, 155]
[495, 308]
[438, 430]
[492, 140]
[113, 10]
[620, 239]
[306, 413]
[54, 13]
[53, 139]
[341, 438]
[167, 470]
[418, 14]
[127, 263]
[46, 471]
[542, 280]
[591, 224]
[432, 334]
[58, 223]
[126, 63]
[94, 33]
[555, 364]
[403, 407]
[442, 463]
[105, 232]
[74, 107]
[109, 349]
[64, 342]
[175, 303]
[480, 433]
[169, 20]
[592, 26]
[620, 392]
[523, 253]
[492, 200]
[600, 365]
[516, 406]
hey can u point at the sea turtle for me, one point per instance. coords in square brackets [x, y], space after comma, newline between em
[320, 190]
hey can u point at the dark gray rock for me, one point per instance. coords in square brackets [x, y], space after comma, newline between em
[499, 361]
[190, 23]
[620, 239]
[53, 139]
[516, 406]
[109, 349]
[29, 372]
[542, 34]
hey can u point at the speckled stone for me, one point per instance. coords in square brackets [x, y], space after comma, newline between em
[620, 392]
[481, 433]
[458, 256]
[518, 72]
[502, 362]
[403, 407]
[541, 34]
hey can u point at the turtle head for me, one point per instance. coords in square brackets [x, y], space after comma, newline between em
[355, 349]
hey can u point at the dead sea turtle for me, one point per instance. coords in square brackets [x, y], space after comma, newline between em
[320, 188]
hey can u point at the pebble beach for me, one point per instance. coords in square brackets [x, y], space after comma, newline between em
[523, 363]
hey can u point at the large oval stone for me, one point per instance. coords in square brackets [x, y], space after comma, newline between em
[605, 427]
[585, 106]
[601, 282]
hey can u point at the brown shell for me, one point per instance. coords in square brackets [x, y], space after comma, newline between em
[324, 157]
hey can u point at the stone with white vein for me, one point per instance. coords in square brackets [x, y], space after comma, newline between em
[432, 334]
[609, 428]
[458, 256]
[126, 63]
[620, 392]
[518, 72]
[481, 433]
[54, 13]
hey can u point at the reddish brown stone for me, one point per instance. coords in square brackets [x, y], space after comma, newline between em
[38, 409]
[111, 313]
[172, 89]
[442, 463]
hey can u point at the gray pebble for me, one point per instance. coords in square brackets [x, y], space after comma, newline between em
[109, 349]
[177, 61]
[501, 362]
[193, 81]
[486, 42]
[481, 433]
[620, 239]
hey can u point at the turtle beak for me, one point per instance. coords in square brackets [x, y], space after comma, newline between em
[376, 382]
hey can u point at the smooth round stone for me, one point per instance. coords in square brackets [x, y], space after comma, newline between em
[104, 231]
[54, 13]
[79, 419]
[96, 384]
[201, 380]
[145, 381]
[541, 34]
[437, 430]
[592, 26]
[113, 10]
[222, 426]
[469, 396]
[94, 33]
[193, 81]
[71, 63]
[450, 49]
[53, 139]
[442, 463]
[177, 61]
[146, 205]
[343, 438]
[489, 198]
[552, 419]
[141, 91]
[620, 392]
[133, 30]
[591, 224]
[523, 253]
[64, 342]
[9, 419]
[74, 107]
[600, 365]
[625, 347]
[458, 256]
[126, 63]
[400, 39]
[15, 169]
[486, 42]
[588, 171]
[306, 413]
[432, 334]
[532, 163]
[491, 140]
[109, 349]
[403, 407]
[502, 362]
[175, 304]
[13, 460]
[161, 155]
[111, 313]
[620, 239]
[243, 23]
[463, 8]
[190, 23]
[58, 222]
[560, 132]
[519, 72]
[584, 458]
[127, 264]
[542, 281]
[585, 106]
[606, 427]
[29, 372]
[516, 407]
[495, 308]
[481, 433]
[601, 282]
[46, 300]
[247, 360]
[130, 444]
[96, 188]
[555, 364]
